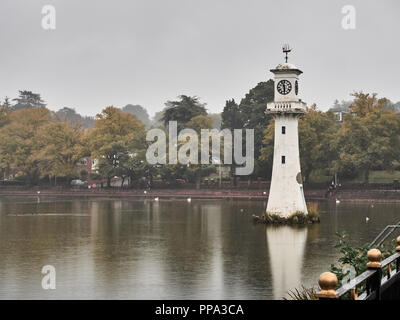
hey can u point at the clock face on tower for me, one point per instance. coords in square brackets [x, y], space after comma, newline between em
[284, 87]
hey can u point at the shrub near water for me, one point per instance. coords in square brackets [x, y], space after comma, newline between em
[356, 256]
[350, 255]
[296, 218]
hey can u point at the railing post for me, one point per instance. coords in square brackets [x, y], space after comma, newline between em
[374, 282]
[328, 283]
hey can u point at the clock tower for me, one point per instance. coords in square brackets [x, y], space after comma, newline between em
[286, 195]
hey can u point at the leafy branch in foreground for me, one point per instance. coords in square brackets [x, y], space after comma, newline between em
[350, 255]
[355, 256]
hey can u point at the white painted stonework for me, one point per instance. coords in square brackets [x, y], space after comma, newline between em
[286, 194]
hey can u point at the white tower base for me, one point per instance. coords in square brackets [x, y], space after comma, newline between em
[286, 195]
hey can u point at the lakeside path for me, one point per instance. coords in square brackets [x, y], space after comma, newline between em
[343, 195]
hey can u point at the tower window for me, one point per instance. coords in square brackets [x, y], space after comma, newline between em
[283, 129]
[283, 159]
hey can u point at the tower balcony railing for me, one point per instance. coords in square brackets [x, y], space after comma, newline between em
[286, 107]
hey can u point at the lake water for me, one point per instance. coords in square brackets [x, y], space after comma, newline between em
[142, 249]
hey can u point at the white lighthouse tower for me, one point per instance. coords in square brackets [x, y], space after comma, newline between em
[286, 195]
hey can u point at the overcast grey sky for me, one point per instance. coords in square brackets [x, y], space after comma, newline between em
[147, 52]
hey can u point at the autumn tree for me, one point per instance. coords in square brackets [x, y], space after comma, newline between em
[5, 111]
[60, 147]
[200, 122]
[368, 138]
[110, 139]
[19, 142]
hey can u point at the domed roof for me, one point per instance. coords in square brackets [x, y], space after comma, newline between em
[285, 66]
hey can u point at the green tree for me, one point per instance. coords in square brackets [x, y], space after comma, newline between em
[355, 256]
[139, 112]
[199, 170]
[7, 103]
[317, 134]
[73, 117]
[157, 121]
[232, 118]
[267, 150]
[217, 120]
[183, 110]
[253, 107]
[28, 100]
[133, 164]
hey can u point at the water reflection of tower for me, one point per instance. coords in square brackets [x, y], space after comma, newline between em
[286, 247]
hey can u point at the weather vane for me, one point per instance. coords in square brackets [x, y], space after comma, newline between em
[286, 49]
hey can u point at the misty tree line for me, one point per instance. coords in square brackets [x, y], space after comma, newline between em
[367, 138]
[38, 144]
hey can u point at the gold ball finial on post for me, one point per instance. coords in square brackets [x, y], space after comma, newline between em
[374, 257]
[328, 283]
[398, 243]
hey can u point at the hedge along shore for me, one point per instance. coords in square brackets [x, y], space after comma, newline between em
[344, 196]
